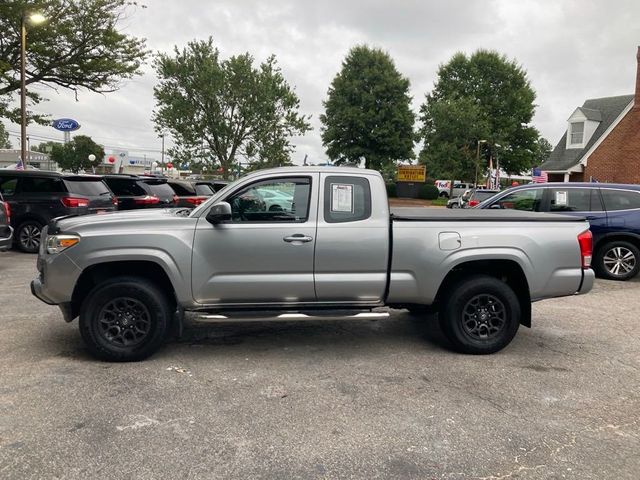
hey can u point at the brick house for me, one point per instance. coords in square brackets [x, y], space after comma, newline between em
[602, 141]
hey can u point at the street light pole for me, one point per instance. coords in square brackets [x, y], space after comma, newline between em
[23, 91]
[162, 137]
[35, 18]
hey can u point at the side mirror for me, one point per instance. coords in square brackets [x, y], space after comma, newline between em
[220, 212]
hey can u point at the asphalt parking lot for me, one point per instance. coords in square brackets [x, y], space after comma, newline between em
[331, 399]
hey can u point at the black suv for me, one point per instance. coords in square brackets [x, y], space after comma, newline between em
[6, 231]
[36, 197]
[135, 191]
[191, 193]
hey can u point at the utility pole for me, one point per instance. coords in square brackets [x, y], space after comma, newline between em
[162, 137]
[23, 91]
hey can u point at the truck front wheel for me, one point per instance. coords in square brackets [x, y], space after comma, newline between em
[124, 319]
[481, 315]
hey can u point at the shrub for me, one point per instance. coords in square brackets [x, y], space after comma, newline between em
[392, 191]
[428, 192]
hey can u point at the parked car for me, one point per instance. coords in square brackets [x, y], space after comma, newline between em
[444, 188]
[275, 199]
[471, 198]
[6, 231]
[135, 191]
[190, 193]
[36, 197]
[613, 211]
[215, 185]
[339, 251]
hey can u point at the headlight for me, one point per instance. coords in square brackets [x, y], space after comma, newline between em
[58, 243]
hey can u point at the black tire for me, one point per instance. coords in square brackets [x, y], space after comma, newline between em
[617, 260]
[125, 319]
[497, 310]
[443, 195]
[275, 208]
[28, 236]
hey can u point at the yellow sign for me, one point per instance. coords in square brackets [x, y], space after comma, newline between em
[412, 173]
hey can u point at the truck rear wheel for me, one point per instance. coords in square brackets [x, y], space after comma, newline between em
[125, 319]
[481, 315]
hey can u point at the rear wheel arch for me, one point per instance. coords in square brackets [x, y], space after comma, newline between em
[508, 271]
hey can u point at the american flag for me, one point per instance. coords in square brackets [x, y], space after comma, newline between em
[539, 176]
[19, 165]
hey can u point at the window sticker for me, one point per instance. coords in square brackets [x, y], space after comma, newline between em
[341, 197]
[561, 199]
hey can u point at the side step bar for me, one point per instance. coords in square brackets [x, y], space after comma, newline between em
[287, 317]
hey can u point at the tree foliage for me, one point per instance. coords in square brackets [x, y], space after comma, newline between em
[81, 46]
[4, 137]
[74, 155]
[236, 109]
[481, 97]
[367, 111]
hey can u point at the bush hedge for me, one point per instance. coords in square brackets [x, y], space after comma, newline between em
[428, 192]
[392, 191]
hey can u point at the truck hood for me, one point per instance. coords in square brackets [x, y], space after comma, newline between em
[118, 219]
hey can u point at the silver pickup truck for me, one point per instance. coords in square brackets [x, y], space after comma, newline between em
[301, 242]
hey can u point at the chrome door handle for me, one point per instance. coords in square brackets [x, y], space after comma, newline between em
[298, 237]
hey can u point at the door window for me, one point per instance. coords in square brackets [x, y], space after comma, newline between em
[41, 185]
[8, 186]
[346, 199]
[620, 199]
[273, 200]
[575, 200]
[527, 200]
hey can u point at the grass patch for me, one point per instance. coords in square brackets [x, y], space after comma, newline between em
[439, 202]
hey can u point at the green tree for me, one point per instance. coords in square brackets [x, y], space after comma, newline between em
[4, 137]
[74, 155]
[543, 150]
[44, 147]
[81, 46]
[237, 109]
[493, 96]
[367, 111]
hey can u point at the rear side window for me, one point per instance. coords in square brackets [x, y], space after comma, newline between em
[526, 200]
[620, 199]
[346, 199]
[182, 189]
[575, 200]
[8, 186]
[125, 188]
[89, 188]
[204, 189]
[42, 185]
[160, 189]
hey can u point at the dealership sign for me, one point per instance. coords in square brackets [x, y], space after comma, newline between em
[412, 173]
[65, 124]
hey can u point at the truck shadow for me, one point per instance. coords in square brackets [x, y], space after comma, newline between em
[333, 334]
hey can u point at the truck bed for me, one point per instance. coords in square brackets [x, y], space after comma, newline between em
[421, 214]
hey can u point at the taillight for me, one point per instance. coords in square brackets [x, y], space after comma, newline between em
[74, 202]
[7, 210]
[474, 203]
[585, 239]
[146, 200]
[114, 201]
[196, 200]
[176, 199]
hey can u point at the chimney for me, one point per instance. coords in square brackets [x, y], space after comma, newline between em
[636, 100]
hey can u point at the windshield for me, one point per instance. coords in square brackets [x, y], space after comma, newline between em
[204, 189]
[161, 190]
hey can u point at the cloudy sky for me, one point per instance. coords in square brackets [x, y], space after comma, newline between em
[571, 49]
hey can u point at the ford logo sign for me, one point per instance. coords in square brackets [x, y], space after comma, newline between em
[65, 124]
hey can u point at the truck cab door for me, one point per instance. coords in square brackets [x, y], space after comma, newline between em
[352, 241]
[264, 254]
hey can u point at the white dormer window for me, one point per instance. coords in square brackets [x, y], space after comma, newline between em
[577, 133]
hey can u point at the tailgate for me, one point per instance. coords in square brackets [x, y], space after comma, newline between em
[100, 198]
